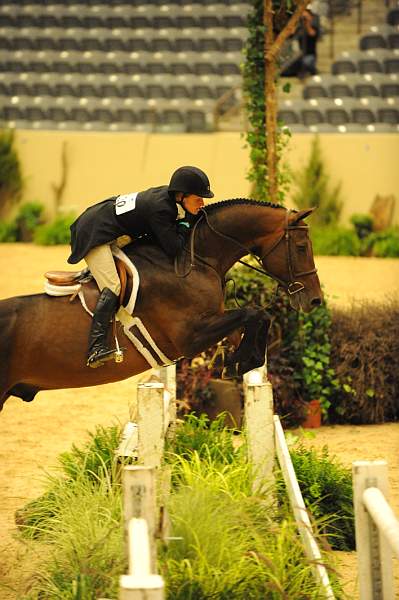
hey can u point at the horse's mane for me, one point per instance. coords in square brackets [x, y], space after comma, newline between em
[210, 208]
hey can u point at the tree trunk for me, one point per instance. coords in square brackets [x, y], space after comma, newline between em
[272, 49]
[270, 102]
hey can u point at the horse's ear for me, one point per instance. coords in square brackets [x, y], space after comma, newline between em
[300, 215]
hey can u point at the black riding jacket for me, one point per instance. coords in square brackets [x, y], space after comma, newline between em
[153, 213]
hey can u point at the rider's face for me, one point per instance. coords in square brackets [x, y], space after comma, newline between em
[192, 203]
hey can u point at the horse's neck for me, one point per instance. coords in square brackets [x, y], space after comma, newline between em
[244, 223]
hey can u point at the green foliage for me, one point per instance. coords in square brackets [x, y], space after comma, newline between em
[30, 214]
[335, 241]
[326, 486]
[315, 377]
[363, 224]
[254, 94]
[94, 460]
[254, 98]
[212, 440]
[233, 544]
[54, 233]
[11, 182]
[299, 355]
[313, 189]
[8, 232]
[384, 244]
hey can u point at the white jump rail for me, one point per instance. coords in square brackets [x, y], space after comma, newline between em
[300, 511]
[377, 530]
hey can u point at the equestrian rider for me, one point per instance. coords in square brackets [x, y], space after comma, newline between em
[152, 212]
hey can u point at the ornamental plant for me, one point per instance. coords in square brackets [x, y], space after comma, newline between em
[312, 187]
[11, 181]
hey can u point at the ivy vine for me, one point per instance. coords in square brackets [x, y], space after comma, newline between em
[254, 100]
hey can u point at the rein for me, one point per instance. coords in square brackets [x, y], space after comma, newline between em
[292, 286]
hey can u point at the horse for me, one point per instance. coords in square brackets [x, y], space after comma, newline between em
[43, 339]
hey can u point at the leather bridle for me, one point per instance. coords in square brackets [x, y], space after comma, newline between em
[292, 286]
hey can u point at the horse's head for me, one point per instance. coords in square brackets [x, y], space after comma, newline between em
[289, 260]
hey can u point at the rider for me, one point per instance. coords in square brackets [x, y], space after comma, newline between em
[151, 212]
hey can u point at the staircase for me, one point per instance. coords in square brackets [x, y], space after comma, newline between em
[339, 35]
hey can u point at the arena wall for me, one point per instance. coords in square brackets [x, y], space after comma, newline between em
[101, 164]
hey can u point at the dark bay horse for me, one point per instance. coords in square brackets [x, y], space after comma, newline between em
[43, 339]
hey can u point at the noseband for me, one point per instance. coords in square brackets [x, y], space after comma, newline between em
[292, 286]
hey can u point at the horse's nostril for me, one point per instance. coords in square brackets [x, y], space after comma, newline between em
[315, 302]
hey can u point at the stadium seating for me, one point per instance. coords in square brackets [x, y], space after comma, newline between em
[120, 50]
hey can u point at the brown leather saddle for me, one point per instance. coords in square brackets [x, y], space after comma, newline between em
[84, 277]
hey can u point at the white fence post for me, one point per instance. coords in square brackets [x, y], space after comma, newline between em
[151, 423]
[139, 502]
[140, 522]
[259, 426]
[167, 376]
[373, 551]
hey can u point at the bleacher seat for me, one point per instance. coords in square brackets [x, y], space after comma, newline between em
[393, 16]
[171, 121]
[346, 63]
[390, 87]
[372, 40]
[196, 121]
[393, 40]
[391, 64]
[71, 49]
[364, 90]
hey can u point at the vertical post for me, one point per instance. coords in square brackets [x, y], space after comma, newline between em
[139, 502]
[151, 427]
[139, 507]
[259, 426]
[167, 376]
[373, 552]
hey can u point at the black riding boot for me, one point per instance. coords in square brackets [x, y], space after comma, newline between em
[99, 351]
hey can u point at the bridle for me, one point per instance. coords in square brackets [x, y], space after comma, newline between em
[292, 286]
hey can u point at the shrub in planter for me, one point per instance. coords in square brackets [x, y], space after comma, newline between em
[363, 225]
[28, 219]
[11, 181]
[365, 356]
[335, 241]
[8, 232]
[326, 486]
[385, 244]
[54, 233]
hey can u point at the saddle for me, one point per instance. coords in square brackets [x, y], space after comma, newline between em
[71, 282]
[82, 284]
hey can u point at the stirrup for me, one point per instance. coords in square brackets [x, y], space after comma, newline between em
[99, 357]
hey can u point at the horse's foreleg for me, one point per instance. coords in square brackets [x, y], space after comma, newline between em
[250, 354]
[213, 329]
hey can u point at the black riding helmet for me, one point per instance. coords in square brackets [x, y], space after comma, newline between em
[190, 180]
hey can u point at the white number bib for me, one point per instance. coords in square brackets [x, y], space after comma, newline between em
[125, 202]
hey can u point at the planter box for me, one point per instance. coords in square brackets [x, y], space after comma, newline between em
[227, 398]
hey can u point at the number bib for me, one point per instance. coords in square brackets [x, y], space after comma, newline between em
[125, 203]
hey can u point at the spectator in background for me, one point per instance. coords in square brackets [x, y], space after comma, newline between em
[308, 34]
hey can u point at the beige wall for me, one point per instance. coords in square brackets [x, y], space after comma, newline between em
[103, 164]
[366, 165]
